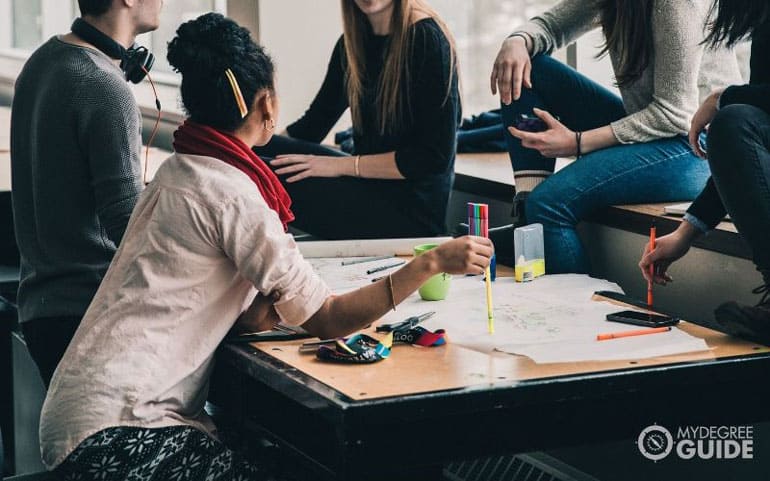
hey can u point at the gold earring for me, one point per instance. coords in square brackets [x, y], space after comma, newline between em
[272, 125]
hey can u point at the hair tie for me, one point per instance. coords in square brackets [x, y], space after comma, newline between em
[237, 93]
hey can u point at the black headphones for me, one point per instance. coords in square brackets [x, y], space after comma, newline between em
[135, 62]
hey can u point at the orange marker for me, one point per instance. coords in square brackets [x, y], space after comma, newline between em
[640, 332]
[652, 267]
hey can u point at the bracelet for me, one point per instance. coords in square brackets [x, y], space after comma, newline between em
[392, 295]
[579, 142]
[356, 167]
[524, 36]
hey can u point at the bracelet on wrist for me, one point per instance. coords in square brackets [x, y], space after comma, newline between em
[524, 37]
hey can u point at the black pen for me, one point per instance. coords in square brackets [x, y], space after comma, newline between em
[407, 323]
[384, 268]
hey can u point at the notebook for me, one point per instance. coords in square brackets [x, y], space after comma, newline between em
[681, 209]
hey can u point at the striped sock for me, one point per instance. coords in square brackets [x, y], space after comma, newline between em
[527, 180]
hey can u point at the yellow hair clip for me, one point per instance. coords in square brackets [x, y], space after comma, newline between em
[237, 93]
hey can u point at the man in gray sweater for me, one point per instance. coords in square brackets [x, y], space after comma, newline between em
[75, 160]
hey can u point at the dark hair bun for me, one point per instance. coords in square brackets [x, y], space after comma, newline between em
[210, 42]
[201, 51]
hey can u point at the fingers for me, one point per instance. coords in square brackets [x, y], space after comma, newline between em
[529, 140]
[493, 80]
[528, 75]
[504, 83]
[518, 76]
[695, 144]
[282, 160]
[546, 117]
[644, 264]
[302, 175]
[291, 169]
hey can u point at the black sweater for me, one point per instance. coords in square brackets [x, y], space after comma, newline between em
[708, 207]
[424, 145]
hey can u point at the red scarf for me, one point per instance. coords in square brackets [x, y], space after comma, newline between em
[197, 139]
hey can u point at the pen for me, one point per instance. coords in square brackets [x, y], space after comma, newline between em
[312, 346]
[640, 332]
[480, 216]
[368, 259]
[652, 267]
[490, 312]
[384, 268]
[407, 323]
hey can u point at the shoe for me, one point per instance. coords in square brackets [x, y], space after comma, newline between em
[519, 212]
[746, 322]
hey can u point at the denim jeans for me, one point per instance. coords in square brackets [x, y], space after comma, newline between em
[739, 155]
[664, 170]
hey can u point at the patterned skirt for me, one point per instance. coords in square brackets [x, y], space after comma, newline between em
[164, 454]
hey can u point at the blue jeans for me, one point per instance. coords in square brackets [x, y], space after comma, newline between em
[664, 170]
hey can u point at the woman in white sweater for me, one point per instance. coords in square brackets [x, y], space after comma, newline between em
[630, 149]
[205, 249]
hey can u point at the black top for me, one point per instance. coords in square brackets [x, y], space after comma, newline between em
[708, 207]
[426, 142]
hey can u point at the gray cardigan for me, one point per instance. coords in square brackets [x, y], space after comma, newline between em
[682, 72]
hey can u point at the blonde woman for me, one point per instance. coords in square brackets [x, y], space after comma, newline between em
[395, 68]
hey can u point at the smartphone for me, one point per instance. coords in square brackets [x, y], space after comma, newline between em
[530, 123]
[642, 319]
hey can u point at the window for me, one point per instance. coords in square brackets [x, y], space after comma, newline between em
[479, 28]
[34, 21]
[27, 24]
[31, 22]
[173, 14]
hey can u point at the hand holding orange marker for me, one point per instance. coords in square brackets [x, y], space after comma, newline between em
[652, 268]
[639, 332]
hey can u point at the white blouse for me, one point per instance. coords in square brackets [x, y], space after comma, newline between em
[200, 244]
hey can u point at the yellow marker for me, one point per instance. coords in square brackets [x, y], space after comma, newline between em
[490, 312]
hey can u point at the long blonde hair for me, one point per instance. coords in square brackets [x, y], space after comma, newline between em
[393, 109]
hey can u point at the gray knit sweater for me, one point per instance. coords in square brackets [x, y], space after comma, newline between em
[75, 143]
[662, 102]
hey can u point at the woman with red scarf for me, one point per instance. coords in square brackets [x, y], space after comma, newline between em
[205, 252]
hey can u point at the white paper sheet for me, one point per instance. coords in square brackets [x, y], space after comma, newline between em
[367, 247]
[551, 319]
[342, 279]
[638, 347]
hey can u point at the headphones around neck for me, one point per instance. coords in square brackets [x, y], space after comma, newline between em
[135, 62]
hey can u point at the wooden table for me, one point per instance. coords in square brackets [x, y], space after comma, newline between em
[405, 416]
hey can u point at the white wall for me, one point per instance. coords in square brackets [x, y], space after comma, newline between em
[300, 35]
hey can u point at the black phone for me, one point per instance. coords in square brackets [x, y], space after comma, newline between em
[642, 319]
[530, 123]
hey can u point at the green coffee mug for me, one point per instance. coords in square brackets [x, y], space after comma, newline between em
[437, 287]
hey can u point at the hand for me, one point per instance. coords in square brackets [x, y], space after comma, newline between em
[702, 119]
[556, 141]
[464, 255]
[512, 68]
[260, 316]
[305, 166]
[668, 249]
